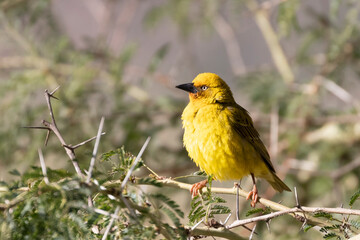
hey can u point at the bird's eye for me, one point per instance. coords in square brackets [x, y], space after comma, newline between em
[204, 88]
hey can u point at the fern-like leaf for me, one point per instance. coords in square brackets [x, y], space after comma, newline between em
[324, 215]
[354, 197]
[149, 181]
[254, 211]
[173, 205]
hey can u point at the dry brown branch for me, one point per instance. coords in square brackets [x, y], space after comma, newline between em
[52, 127]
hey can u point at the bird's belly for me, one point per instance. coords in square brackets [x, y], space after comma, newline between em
[219, 150]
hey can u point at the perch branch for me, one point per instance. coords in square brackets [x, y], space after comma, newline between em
[298, 213]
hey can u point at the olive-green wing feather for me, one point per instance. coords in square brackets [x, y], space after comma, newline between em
[243, 125]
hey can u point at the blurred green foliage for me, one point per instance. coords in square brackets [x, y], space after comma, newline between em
[318, 113]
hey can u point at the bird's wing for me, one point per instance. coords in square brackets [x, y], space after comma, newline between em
[243, 125]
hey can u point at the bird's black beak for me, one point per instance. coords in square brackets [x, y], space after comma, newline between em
[189, 87]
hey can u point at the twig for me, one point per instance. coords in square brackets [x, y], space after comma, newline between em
[338, 91]
[105, 213]
[296, 198]
[48, 101]
[237, 202]
[294, 212]
[110, 223]
[134, 164]
[43, 166]
[345, 169]
[252, 232]
[84, 142]
[53, 127]
[132, 212]
[96, 146]
[197, 224]
[269, 216]
[277, 53]
[274, 131]
[227, 219]
[227, 34]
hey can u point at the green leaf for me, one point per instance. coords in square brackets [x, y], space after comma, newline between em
[149, 181]
[15, 172]
[354, 197]
[219, 209]
[171, 215]
[254, 211]
[173, 205]
[355, 224]
[331, 236]
[324, 215]
[307, 227]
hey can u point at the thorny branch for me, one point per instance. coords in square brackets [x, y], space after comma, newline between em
[52, 127]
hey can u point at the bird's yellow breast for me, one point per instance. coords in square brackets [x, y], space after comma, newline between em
[215, 146]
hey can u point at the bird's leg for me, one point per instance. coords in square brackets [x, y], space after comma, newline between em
[253, 194]
[195, 189]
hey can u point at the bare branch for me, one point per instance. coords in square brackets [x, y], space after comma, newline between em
[237, 202]
[47, 137]
[296, 198]
[273, 43]
[134, 164]
[46, 128]
[252, 232]
[84, 142]
[294, 212]
[227, 34]
[274, 131]
[110, 223]
[54, 91]
[43, 166]
[269, 216]
[96, 146]
[345, 169]
[48, 101]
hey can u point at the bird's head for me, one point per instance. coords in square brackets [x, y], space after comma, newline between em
[208, 88]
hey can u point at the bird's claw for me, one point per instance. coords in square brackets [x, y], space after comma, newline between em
[196, 188]
[253, 194]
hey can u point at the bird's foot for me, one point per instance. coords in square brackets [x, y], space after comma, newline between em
[253, 194]
[196, 188]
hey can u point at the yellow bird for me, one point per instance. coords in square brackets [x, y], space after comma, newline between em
[220, 137]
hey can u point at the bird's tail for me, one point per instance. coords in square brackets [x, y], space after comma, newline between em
[277, 184]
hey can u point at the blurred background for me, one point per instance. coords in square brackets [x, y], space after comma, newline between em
[294, 65]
